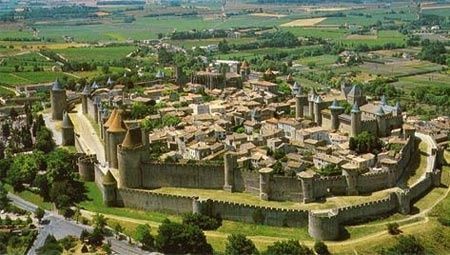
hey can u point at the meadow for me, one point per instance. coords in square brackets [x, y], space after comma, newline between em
[98, 54]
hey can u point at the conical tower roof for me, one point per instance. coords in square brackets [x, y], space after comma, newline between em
[244, 64]
[380, 111]
[117, 125]
[355, 91]
[67, 122]
[108, 178]
[133, 138]
[318, 100]
[56, 86]
[111, 117]
[289, 78]
[109, 81]
[86, 91]
[94, 85]
[335, 105]
[355, 108]
[383, 100]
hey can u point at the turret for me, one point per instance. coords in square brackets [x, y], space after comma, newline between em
[317, 111]
[300, 101]
[106, 135]
[311, 98]
[290, 79]
[130, 154]
[355, 120]
[307, 179]
[355, 95]
[109, 189]
[109, 82]
[351, 177]
[381, 122]
[265, 175]
[84, 99]
[58, 101]
[86, 165]
[324, 225]
[67, 131]
[335, 110]
[230, 164]
[97, 107]
[397, 109]
[116, 134]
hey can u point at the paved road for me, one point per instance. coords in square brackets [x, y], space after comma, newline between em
[60, 227]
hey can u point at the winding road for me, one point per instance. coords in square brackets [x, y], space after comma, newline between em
[60, 227]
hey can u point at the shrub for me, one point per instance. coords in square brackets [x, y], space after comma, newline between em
[393, 228]
[405, 245]
[321, 248]
[287, 248]
[444, 221]
[258, 216]
[144, 237]
[204, 222]
[238, 244]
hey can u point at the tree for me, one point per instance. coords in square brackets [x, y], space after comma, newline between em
[144, 237]
[99, 221]
[51, 246]
[4, 200]
[290, 247]
[321, 248]
[44, 140]
[238, 244]
[39, 213]
[175, 238]
[365, 142]
[405, 245]
[204, 222]
[6, 131]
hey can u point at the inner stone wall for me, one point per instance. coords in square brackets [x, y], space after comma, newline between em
[155, 175]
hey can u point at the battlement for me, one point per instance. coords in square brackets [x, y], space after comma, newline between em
[187, 164]
[367, 204]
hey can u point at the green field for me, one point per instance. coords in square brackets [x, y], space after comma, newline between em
[98, 54]
[24, 78]
[431, 79]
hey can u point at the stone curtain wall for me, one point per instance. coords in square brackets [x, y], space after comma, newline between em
[244, 212]
[330, 185]
[148, 200]
[367, 210]
[204, 176]
[247, 181]
[285, 188]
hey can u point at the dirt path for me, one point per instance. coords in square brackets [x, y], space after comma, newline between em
[12, 90]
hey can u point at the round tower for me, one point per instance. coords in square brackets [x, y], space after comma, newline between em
[84, 99]
[317, 111]
[86, 167]
[335, 110]
[351, 177]
[116, 134]
[355, 120]
[106, 135]
[381, 122]
[67, 131]
[129, 159]
[264, 183]
[109, 189]
[230, 163]
[311, 98]
[404, 201]
[307, 181]
[57, 100]
[323, 225]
